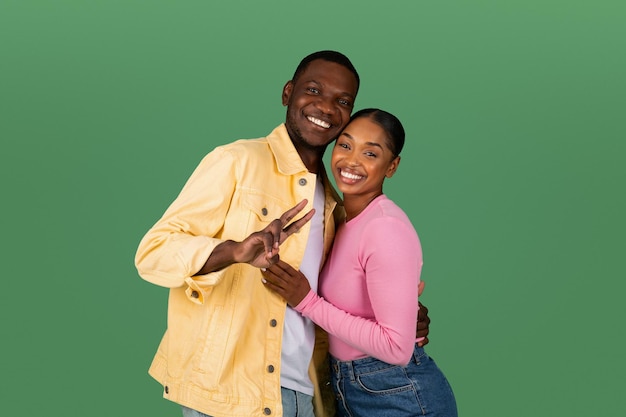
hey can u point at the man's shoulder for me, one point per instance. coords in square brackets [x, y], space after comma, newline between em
[245, 144]
[249, 144]
[242, 147]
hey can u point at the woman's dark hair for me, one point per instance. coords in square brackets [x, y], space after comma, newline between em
[331, 56]
[390, 124]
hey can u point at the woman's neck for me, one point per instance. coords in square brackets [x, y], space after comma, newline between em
[356, 203]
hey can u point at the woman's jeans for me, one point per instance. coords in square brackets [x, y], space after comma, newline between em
[373, 388]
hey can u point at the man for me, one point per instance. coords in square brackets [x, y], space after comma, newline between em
[232, 348]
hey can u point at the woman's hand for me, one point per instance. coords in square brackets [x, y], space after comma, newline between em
[287, 282]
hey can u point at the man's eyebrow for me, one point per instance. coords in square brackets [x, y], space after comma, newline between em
[345, 93]
[319, 84]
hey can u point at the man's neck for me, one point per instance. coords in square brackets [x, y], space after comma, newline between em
[311, 157]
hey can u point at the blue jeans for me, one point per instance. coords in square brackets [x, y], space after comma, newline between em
[373, 388]
[295, 404]
[190, 412]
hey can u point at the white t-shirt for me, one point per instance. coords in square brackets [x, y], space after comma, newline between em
[299, 332]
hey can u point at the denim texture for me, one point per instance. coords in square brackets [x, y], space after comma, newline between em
[295, 404]
[189, 412]
[373, 388]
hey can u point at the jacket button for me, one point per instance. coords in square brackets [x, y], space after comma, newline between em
[195, 294]
[267, 411]
[302, 181]
[270, 369]
[273, 323]
[264, 211]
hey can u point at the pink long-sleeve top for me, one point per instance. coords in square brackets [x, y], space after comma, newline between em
[367, 298]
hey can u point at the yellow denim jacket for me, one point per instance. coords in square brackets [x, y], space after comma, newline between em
[220, 354]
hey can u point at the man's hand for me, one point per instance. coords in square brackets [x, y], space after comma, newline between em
[423, 321]
[261, 248]
[287, 282]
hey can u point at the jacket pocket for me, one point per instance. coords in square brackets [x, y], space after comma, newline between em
[263, 208]
[208, 358]
[190, 330]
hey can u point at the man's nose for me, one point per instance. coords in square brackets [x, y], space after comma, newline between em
[326, 105]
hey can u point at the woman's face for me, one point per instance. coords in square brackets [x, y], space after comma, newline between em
[361, 158]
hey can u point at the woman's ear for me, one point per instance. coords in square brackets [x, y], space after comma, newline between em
[393, 166]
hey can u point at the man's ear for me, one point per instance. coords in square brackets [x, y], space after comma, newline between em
[393, 167]
[287, 89]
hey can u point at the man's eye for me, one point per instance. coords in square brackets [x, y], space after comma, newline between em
[344, 102]
[314, 90]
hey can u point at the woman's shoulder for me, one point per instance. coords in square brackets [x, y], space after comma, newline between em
[385, 208]
[389, 228]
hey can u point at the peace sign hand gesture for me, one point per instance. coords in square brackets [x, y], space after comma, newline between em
[261, 248]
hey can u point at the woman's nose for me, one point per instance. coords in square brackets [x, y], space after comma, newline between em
[352, 160]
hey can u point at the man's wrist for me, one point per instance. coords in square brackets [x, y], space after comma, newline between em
[233, 249]
[222, 256]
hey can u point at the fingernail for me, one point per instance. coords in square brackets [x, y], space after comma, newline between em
[263, 269]
[263, 280]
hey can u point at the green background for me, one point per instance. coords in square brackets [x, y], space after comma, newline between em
[513, 175]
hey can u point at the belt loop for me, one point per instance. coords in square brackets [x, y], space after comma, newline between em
[350, 371]
[416, 359]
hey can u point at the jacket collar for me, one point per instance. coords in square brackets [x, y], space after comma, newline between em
[288, 160]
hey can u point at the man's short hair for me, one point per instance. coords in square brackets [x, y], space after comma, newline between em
[332, 56]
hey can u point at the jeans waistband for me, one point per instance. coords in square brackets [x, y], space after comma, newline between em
[351, 369]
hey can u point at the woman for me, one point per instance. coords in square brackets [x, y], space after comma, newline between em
[368, 287]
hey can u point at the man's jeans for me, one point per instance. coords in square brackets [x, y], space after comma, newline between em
[295, 404]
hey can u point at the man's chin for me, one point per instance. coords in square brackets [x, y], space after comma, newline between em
[314, 139]
[320, 137]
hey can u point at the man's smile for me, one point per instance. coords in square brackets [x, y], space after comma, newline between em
[318, 122]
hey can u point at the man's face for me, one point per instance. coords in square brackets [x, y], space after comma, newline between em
[319, 103]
